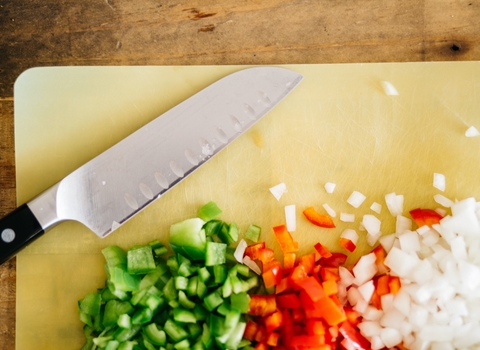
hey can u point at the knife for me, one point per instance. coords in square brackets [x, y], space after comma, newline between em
[111, 188]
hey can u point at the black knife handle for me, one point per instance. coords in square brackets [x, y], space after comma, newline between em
[17, 230]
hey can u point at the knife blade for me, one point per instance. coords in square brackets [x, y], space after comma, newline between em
[114, 186]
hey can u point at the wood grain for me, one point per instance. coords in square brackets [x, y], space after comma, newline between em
[194, 32]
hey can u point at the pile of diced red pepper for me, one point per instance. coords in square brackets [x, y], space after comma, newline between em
[303, 310]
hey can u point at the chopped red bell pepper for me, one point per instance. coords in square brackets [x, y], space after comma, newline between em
[288, 301]
[318, 219]
[330, 274]
[424, 217]
[348, 331]
[272, 339]
[315, 327]
[272, 274]
[289, 260]
[284, 238]
[335, 260]
[330, 287]
[394, 284]
[322, 250]
[308, 261]
[273, 321]
[347, 244]
[253, 251]
[262, 305]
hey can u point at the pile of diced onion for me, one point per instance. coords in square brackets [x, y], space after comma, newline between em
[438, 304]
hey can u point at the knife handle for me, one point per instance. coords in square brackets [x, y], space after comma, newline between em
[17, 230]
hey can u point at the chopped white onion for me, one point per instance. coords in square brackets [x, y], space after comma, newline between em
[366, 290]
[387, 241]
[290, 218]
[346, 217]
[390, 337]
[472, 132]
[376, 207]
[403, 224]
[329, 210]
[346, 278]
[278, 190]
[442, 200]
[439, 181]
[394, 203]
[252, 265]
[389, 89]
[240, 250]
[330, 187]
[409, 241]
[365, 269]
[356, 199]
[372, 224]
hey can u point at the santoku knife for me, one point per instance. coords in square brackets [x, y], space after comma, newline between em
[111, 188]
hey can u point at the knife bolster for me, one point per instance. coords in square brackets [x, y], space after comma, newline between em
[17, 230]
[44, 207]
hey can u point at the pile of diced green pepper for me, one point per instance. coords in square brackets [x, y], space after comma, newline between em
[195, 298]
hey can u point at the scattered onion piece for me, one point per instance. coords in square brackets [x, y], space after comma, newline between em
[290, 218]
[376, 207]
[472, 132]
[347, 217]
[240, 250]
[394, 203]
[349, 239]
[439, 181]
[356, 199]
[329, 210]
[252, 265]
[330, 187]
[389, 89]
[443, 201]
[278, 190]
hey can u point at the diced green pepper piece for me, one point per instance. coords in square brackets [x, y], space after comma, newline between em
[206, 337]
[152, 278]
[142, 316]
[215, 253]
[203, 274]
[219, 273]
[253, 233]
[101, 341]
[113, 309]
[212, 227]
[122, 281]
[115, 257]
[201, 289]
[124, 321]
[236, 336]
[228, 234]
[147, 344]
[212, 301]
[90, 304]
[127, 345]
[140, 260]
[112, 345]
[181, 283]
[184, 316]
[184, 301]
[155, 336]
[182, 345]
[209, 211]
[174, 331]
[192, 286]
[224, 308]
[194, 330]
[240, 301]
[200, 312]
[169, 290]
[158, 248]
[243, 270]
[188, 238]
[227, 288]
[122, 335]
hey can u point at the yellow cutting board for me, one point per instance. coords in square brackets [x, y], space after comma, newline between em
[337, 126]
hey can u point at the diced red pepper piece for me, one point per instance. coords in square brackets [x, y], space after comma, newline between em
[318, 219]
[330, 274]
[347, 244]
[308, 341]
[261, 334]
[272, 274]
[335, 260]
[424, 217]
[381, 283]
[288, 301]
[287, 329]
[394, 284]
[351, 333]
[250, 330]
[266, 255]
[261, 346]
[322, 250]
[283, 286]
[297, 275]
[289, 260]
[298, 315]
[253, 251]
[315, 327]
[353, 316]
[273, 321]
[313, 288]
[272, 339]
[284, 238]
[262, 305]
[330, 287]
[380, 259]
[308, 261]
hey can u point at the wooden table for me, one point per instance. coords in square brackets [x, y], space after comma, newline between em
[189, 32]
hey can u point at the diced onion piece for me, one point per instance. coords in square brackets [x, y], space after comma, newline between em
[400, 262]
[372, 239]
[443, 201]
[441, 211]
[356, 199]
[290, 218]
[346, 278]
[372, 224]
[409, 241]
[394, 203]
[422, 230]
[252, 265]
[329, 210]
[390, 337]
[439, 181]
[346, 217]
[389, 89]
[330, 187]
[350, 234]
[278, 190]
[387, 241]
[240, 250]
[403, 224]
[472, 132]
[365, 269]
[366, 290]
[376, 207]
